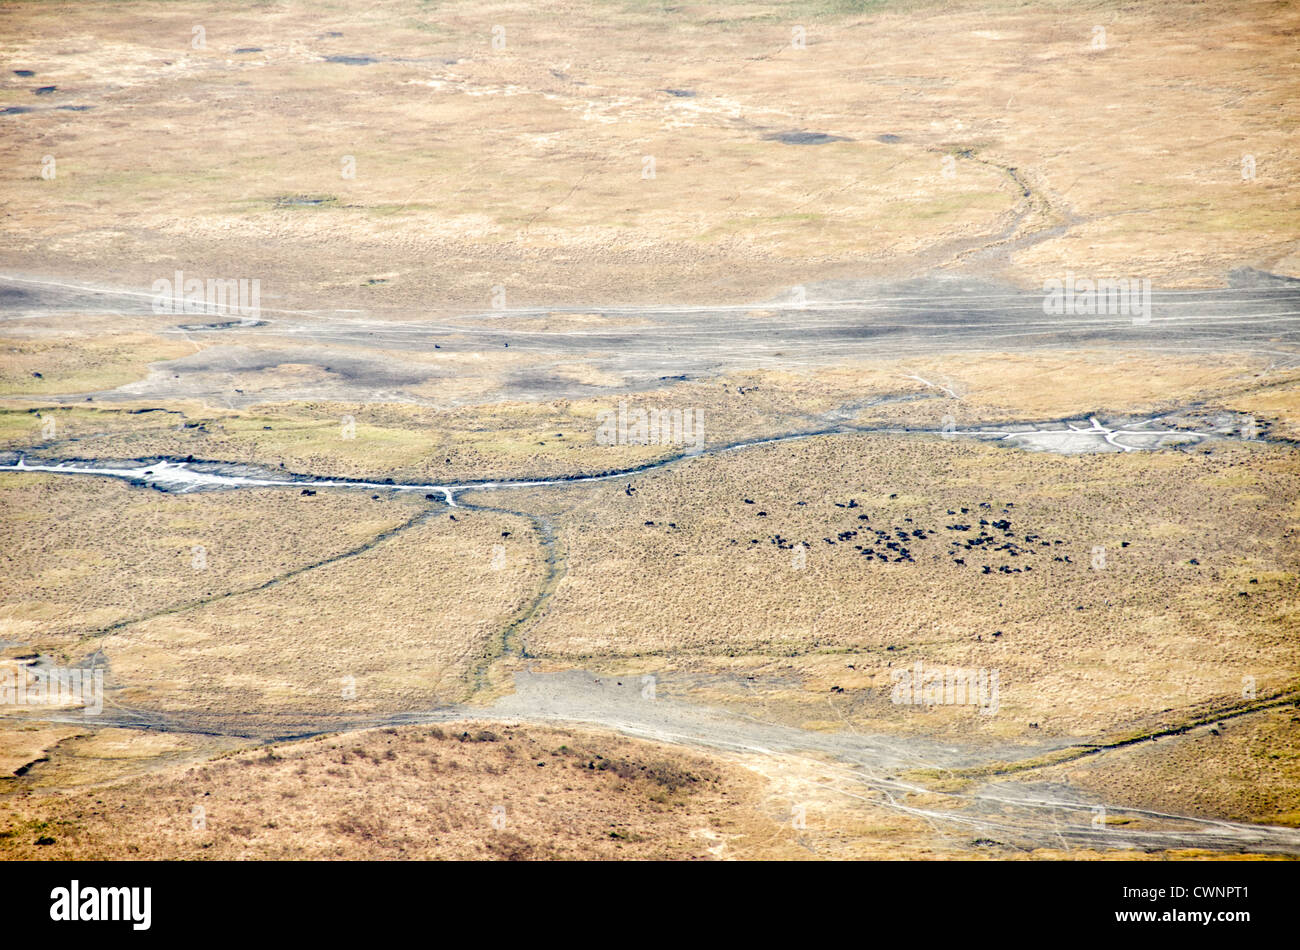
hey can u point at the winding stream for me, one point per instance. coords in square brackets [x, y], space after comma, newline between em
[1061, 436]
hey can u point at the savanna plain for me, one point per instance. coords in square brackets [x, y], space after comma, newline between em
[648, 431]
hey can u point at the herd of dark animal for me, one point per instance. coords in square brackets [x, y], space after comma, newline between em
[981, 534]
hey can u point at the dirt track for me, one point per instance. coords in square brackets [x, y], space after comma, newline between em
[647, 348]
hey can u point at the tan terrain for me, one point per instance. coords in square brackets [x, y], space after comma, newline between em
[374, 558]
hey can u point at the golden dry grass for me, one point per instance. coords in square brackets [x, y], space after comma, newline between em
[521, 169]
[83, 555]
[80, 362]
[186, 154]
[491, 440]
[705, 587]
[293, 593]
[409, 622]
[411, 793]
[1245, 769]
[459, 790]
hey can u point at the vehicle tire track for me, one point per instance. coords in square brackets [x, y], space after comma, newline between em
[1073, 753]
[372, 542]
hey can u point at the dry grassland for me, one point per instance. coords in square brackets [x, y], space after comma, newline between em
[295, 593]
[424, 792]
[81, 555]
[407, 623]
[70, 362]
[1245, 769]
[988, 139]
[523, 167]
[412, 793]
[1198, 587]
[449, 443]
